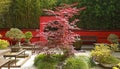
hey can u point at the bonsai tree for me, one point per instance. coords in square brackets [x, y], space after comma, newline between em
[113, 38]
[4, 44]
[28, 36]
[78, 43]
[15, 34]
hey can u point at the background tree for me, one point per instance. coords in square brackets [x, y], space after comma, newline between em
[4, 8]
[100, 14]
[25, 13]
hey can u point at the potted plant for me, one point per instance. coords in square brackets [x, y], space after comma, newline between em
[15, 34]
[114, 39]
[78, 43]
[28, 36]
[102, 55]
[4, 44]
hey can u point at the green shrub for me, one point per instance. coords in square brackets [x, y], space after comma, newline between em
[101, 53]
[4, 44]
[112, 60]
[28, 36]
[81, 62]
[43, 61]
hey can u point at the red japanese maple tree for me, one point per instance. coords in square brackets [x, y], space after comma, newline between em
[58, 32]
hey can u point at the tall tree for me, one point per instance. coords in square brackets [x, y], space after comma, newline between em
[4, 8]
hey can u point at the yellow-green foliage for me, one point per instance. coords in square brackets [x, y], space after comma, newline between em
[101, 53]
[81, 62]
[112, 60]
[28, 36]
[4, 44]
[15, 33]
[113, 38]
[114, 47]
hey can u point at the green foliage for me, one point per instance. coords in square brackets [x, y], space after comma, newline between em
[24, 13]
[112, 60]
[28, 36]
[15, 34]
[113, 38]
[99, 14]
[81, 62]
[4, 8]
[43, 61]
[114, 47]
[101, 53]
[47, 65]
[4, 44]
[4, 5]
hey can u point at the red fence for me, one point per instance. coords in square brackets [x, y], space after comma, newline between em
[101, 35]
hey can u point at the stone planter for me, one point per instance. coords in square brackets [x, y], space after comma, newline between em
[78, 44]
[107, 65]
[15, 48]
[116, 54]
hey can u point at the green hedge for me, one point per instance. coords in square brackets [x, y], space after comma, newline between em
[100, 14]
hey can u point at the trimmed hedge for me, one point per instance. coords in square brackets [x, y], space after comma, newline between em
[100, 14]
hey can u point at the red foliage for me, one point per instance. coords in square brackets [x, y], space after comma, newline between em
[58, 32]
